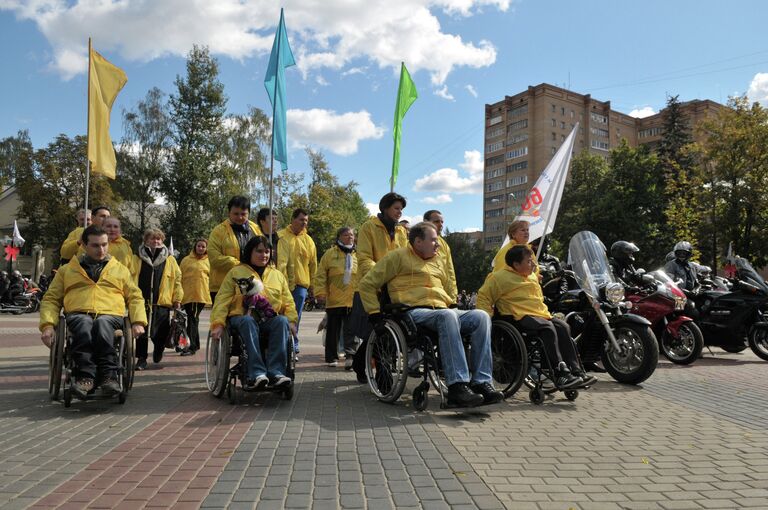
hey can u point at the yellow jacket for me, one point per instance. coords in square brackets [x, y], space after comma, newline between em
[170, 286]
[302, 254]
[329, 280]
[195, 275]
[111, 295]
[69, 248]
[224, 250]
[373, 243]
[285, 262]
[499, 263]
[444, 254]
[229, 300]
[410, 280]
[512, 294]
[120, 249]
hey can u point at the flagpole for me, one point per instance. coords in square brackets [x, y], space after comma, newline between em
[88, 138]
[394, 142]
[272, 145]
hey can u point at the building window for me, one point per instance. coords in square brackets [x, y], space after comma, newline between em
[562, 110]
[495, 120]
[553, 107]
[598, 144]
[517, 153]
[494, 186]
[599, 132]
[518, 111]
[600, 119]
[572, 113]
[517, 195]
[494, 160]
[498, 172]
[562, 125]
[496, 146]
[494, 199]
[493, 133]
[522, 165]
[496, 227]
[554, 122]
[654, 131]
[494, 213]
[554, 136]
[562, 138]
[554, 149]
[517, 180]
[520, 124]
[493, 240]
[517, 139]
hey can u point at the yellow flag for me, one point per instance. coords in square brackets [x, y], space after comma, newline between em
[105, 82]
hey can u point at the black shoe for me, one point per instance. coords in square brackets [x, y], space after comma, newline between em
[256, 384]
[280, 380]
[157, 354]
[566, 380]
[459, 395]
[82, 386]
[587, 380]
[490, 394]
[110, 387]
[141, 364]
[591, 366]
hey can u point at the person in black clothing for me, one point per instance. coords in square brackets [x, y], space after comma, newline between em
[680, 268]
[622, 261]
[262, 219]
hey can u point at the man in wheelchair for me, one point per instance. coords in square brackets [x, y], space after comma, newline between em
[516, 292]
[415, 277]
[95, 290]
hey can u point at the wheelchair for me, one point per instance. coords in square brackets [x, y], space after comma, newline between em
[61, 365]
[537, 369]
[223, 377]
[392, 351]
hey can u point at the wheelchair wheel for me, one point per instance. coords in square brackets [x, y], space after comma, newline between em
[571, 394]
[510, 357]
[56, 360]
[129, 360]
[217, 363]
[536, 396]
[67, 397]
[232, 392]
[421, 397]
[386, 362]
[288, 393]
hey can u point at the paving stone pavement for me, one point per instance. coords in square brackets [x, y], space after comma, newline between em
[691, 437]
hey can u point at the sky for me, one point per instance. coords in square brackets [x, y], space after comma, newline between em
[462, 54]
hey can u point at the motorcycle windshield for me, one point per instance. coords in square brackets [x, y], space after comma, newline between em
[587, 258]
[749, 275]
[667, 284]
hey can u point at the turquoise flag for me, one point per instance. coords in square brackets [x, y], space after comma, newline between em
[274, 81]
[406, 95]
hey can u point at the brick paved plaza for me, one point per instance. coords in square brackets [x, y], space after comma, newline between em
[690, 437]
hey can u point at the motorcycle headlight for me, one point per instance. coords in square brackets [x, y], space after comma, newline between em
[614, 293]
[680, 303]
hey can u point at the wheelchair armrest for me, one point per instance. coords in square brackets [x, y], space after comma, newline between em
[395, 308]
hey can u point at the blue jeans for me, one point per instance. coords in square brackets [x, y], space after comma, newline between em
[93, 344]
[450, 324]
[299, 296]
[277, 356]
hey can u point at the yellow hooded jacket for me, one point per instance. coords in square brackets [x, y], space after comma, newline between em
[120, 249]
[500, 263]
[444, 254]
[229, 300]
[373, 243]
[329, 280]
[111, 295]
[512, 294]
[69, 248]
[195, 276]
[170, 286]
[410, 280]
[302, 253]
[224, 250]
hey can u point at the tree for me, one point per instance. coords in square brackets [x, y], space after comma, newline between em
[15, 154]
[190, 185]
[143, 158]
[52, 189]
[471, 263]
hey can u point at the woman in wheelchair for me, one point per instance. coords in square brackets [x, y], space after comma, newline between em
[95, 290]
[515, 292]
[276, 314]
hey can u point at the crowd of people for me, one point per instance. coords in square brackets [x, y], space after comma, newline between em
[384, 261]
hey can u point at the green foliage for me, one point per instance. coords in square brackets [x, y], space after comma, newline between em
[471, 263]
[15, 154]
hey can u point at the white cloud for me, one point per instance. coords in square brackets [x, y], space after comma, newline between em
[439, 199]
[471, 90]
[339, 133]
[323, 34]
[321, 81]
[645, 111]
[354, 70]
[443, 92]
[758, 89]
[448, 180]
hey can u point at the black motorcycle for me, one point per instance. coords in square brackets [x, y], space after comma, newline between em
[735, 319]
[596, 313]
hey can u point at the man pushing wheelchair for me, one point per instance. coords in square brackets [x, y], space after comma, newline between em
[95, 290]
[415, 277]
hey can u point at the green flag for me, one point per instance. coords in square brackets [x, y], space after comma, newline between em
[406, 95]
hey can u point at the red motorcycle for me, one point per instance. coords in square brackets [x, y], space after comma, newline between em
[662, 302]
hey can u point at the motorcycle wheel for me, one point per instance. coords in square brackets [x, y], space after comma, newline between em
[733, 349]
[637, 357]
[758, 342]
[686, 348]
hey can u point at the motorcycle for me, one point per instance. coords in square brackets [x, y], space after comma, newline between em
[662, 302]
[603, 331]
[22, 302]
[735, 319]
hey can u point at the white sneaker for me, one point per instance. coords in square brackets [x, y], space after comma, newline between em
[333, 364]
[281, 380]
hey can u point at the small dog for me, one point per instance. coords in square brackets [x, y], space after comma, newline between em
[254, 302]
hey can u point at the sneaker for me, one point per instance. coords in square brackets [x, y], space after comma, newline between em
[82, 386]
[332, 364]
[257, 384]
[348, 363]
[566, 380]
[280, 380]
[296, 358]
[459, 395]
[141, 364]
[110, 386]
[342, 355]
[157, 353]
[490, 394]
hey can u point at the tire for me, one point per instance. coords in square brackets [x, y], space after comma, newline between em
[638, 357]
[685, 349]
[571, 394]
[510, 357]
[232, 394]
[758, 342]
[421, 397]
[387, 362]
[536, 396]
[67, 397]
[733, 349]
[129, 361]
[217, 363]
[56, 360]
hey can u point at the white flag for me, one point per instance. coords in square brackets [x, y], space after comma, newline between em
[170, 248]
[18, 241]
[541, 205]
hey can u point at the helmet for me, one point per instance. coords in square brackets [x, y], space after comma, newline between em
[624, 251]
[16, 274]
[683, 250]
